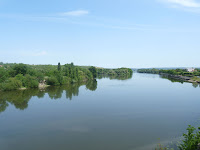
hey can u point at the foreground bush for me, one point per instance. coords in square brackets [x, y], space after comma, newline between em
[191, 139]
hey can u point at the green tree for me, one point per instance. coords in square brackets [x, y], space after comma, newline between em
[93, 70]
[52, 81]
[59, 67]
[20, 69]
[30, 81]
[3, 74]
[11, 84]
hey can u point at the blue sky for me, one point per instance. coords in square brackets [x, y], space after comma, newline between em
[104, 33]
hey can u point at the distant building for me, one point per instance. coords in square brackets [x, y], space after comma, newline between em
[1, 66]
[190, 69]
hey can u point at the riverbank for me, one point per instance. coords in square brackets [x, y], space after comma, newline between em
[182, 75]
[182, 78]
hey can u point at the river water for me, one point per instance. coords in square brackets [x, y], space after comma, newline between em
[107, 114]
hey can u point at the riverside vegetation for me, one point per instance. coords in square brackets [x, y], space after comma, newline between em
[179, 74]
[22, 76]
[191, 140]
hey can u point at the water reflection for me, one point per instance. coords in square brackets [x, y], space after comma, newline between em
[195, 85]
[116, 77]
[20, 98]
[173, 80]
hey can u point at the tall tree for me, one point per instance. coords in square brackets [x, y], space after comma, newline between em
[20, 69]
[93, 70]
[59, 67]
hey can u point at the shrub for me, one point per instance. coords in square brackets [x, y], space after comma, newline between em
[20, 77]
[52, 81]
[30, 82]
[20, 69]
[11, 84]
[191, 140]
[3, 75]
[65, 80]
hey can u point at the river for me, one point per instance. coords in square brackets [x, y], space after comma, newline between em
[107, 114]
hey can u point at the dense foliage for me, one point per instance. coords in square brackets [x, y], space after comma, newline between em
[116, 72]
[182, 72]
[15, 76]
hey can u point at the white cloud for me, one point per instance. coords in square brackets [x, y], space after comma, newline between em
[75, 13]
[184, 3]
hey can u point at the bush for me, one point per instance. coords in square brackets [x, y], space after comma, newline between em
[191, 140]
[3, 75]
[65, 80]
[20, 77]
[20, 69]
[30, 82]
[11, 84]
[52, 81]
[93, 70]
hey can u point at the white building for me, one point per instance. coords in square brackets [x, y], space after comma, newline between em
[190, 69]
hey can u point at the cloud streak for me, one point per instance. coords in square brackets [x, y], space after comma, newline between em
[99, 24]
[184, 3]
[75, 13]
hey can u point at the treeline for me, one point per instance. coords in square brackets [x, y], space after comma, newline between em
[15, 76]
[115, 72]
[182, 72]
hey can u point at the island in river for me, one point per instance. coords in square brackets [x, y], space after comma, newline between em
[23, 76]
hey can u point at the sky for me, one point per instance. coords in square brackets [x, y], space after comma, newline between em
[103, 33]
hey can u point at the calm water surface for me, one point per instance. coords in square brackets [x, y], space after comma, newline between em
[104, 115]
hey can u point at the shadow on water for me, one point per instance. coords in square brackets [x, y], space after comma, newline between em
[20, 98]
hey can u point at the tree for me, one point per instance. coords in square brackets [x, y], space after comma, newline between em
[20, 69]
[93, 70]
[72, 64]
[59, 67]
[3, 75]
[30, 81]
